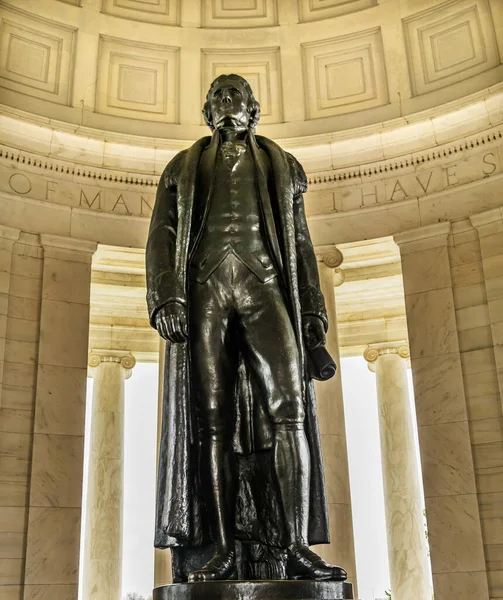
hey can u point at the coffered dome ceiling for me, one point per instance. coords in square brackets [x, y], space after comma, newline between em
[317, 66]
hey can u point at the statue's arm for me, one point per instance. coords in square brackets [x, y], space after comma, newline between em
[161, 244]
[311, 299]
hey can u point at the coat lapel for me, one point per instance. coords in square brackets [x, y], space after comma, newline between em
[186, 193]
[204, 186]
[284, 187]
[265, 201]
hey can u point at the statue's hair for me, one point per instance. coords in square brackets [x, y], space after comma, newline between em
[253, 105]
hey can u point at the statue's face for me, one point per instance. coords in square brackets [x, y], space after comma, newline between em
[229, 105]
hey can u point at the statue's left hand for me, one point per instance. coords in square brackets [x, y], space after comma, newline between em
[314, 331]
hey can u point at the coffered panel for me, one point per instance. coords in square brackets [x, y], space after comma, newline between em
[239, 13]
[166, 12]
[260, 67]
[136, 80]
[36, 55]
[314, 10]
[344, 74]
[449, 43]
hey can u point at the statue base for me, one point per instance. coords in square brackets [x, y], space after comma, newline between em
[256, 590]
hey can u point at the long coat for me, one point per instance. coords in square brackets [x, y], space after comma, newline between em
[177, 221]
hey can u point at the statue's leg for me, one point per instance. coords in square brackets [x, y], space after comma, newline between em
[273, 357]
[213, 365]
[272, 351]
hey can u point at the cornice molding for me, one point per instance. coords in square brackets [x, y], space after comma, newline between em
[363, 152]
[395, 165]
[392, 167]
[97, 175]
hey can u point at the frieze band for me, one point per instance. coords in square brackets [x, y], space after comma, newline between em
[328, 193]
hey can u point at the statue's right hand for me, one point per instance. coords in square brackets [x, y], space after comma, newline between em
[171, 323]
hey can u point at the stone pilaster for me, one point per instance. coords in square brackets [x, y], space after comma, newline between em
[8, 236]
[407, 548]
[332, 427]
[105, 490]
[483, 369]
[21, 259]
[452, 511]
[489, 226]
[55, 494]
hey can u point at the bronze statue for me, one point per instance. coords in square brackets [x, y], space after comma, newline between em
[233, 287]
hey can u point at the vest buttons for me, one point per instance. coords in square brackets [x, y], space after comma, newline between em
[265, 261]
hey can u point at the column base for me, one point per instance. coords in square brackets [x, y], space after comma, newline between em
[256, 590]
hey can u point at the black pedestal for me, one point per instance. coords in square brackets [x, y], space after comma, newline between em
[256, 590]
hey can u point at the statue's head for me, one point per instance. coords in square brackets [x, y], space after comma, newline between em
[230, 103]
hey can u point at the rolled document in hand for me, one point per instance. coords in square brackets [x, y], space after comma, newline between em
[321, 365]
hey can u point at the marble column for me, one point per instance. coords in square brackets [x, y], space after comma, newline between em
[103, 540]
[407, 548]
[162, 557]
[333, 429]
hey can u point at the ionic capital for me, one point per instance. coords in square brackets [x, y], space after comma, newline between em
[331, 257]
[123, 358]
[373, 351]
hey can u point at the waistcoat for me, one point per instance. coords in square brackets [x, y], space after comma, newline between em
[233, 222]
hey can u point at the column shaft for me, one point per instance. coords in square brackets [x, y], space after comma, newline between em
[330, 405]
[407, 547]
[105, 497]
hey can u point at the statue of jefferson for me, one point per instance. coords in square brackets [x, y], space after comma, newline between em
[233, 287]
